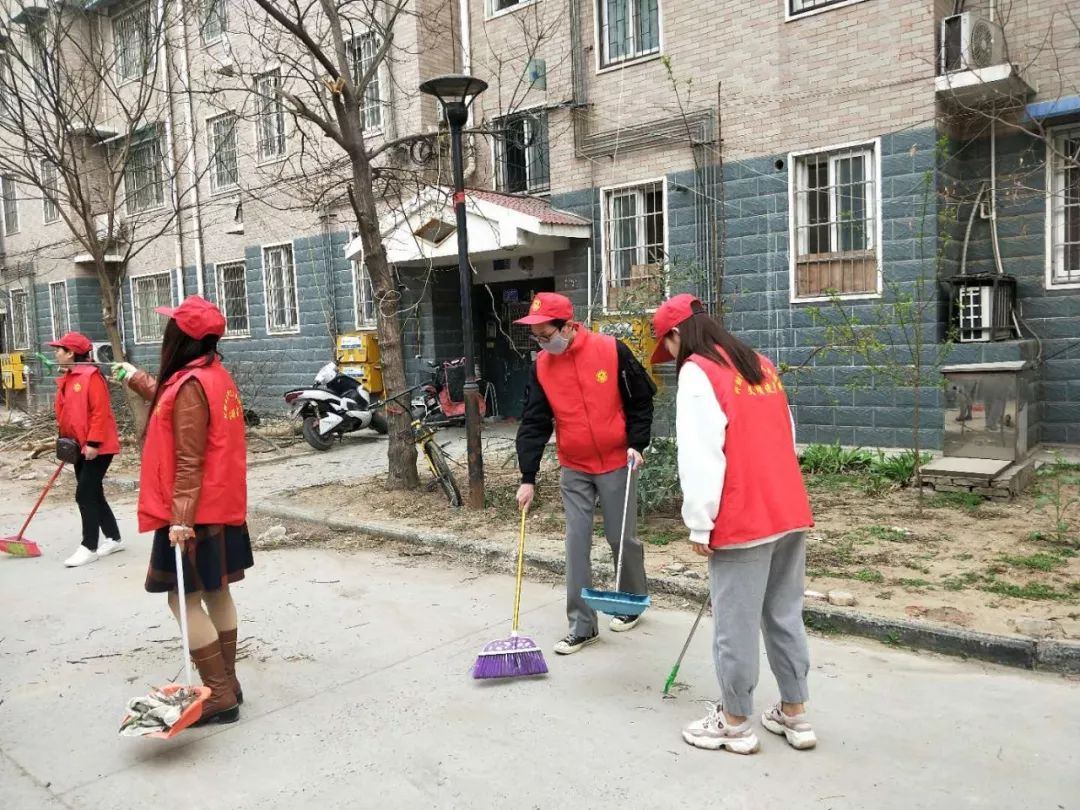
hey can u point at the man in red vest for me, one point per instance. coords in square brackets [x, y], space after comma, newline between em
[598, 399]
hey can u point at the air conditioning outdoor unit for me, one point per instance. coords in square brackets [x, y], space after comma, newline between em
[983, 307]
[102, 352]
[970, 42]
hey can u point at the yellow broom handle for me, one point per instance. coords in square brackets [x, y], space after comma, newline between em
[520, 573]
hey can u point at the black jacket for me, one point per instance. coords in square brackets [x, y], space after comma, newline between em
[538, 421]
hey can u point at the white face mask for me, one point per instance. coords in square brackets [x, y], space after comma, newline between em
[556, 344]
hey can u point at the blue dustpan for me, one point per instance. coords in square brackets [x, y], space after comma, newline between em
[615, 603]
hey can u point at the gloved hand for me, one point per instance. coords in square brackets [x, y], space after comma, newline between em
[122, 371]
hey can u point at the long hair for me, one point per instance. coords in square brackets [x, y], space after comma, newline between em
[701, 334]
[179, 350]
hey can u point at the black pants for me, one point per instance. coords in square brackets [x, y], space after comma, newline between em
[90, 496]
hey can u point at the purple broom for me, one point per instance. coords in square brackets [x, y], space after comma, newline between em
[517, 656]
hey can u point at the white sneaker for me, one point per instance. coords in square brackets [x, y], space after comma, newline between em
[620, 624]
[107, 547]
[797, 730]
[82, 556]
[712, 732]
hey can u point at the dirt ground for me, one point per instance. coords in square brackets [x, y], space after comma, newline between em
[979, 565]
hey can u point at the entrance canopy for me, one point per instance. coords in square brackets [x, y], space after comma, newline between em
[499, 226]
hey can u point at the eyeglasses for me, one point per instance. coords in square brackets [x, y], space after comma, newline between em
[544, 338]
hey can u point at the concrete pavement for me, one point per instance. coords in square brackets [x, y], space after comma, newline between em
[358, 695]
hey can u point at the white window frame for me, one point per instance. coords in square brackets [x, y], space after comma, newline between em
[48, 206]
[213, 149]
[281, 330]
[204, 6]
[791, 16]
[8, 181]
[360, 297]
[873, 202]
[64, 328]
[491, 12]
[147, 53]
[1055, 215]
[136, 325]
[162, 179]
[606, 193]
[353, 49]
[604, 65]
[498, 153]
[223, 301]
[262, 101]
[24, 299]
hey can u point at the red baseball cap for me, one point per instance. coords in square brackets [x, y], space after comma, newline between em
[73, 342]
[548, 307]
[196, 317]
[670, 314]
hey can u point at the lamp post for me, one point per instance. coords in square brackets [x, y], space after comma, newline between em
[456, 92]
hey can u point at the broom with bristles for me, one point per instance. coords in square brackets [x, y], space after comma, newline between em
[517, 656]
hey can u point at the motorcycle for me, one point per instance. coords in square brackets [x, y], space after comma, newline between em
[335, 405]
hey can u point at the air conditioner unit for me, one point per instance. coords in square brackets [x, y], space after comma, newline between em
[984, 304]
[970, 42]
[102, 352]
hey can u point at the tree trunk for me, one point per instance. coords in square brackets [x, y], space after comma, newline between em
[401, 454]
[137, 407]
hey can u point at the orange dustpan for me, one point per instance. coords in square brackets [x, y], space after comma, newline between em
[19, 546]
[193, 710]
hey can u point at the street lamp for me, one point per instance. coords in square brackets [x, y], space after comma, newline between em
[456, 92]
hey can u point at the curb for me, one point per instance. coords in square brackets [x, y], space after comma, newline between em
[1061, 657]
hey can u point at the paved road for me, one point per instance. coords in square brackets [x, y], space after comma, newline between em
[358, 695]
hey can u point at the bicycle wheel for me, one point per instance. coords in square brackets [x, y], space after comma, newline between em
[437, 458]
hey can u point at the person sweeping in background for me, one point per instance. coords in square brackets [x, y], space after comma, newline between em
[598, 399]
[747, 510]
[193, 491]
[84, 413]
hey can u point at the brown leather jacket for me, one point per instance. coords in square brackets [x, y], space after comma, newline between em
[191, 424]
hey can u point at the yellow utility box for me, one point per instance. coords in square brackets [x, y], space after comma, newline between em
[636, 332]
[358, 357]
[12, 371]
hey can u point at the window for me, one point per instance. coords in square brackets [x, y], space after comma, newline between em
[361, 51]
[363, 296]
[213, 20]
[133, 42]
[20, 320]
[50, 186]
[279, 279]
[36, 41]
[147, 294]
[521, 153]
[143, 185]
[7, 85]
[232, 298]
[495, 6]
[796, 8]
[1064, 208]
[835, 223]
[222, 137]
[634, 237]
[11, 204]
[630, 29]
[270, 116]
[58, 308]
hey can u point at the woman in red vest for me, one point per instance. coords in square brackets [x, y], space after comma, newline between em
[84, 413]
[747, 510]
[193, 491]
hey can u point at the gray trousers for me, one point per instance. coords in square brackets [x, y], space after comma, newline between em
[759, 587]
[579, 493]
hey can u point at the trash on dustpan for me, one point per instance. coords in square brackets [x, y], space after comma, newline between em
[161, 711]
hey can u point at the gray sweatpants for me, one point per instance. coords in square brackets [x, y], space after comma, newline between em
[579, 492]
[752, 588]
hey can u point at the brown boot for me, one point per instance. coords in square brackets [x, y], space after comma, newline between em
[227, 639]
[221, 706]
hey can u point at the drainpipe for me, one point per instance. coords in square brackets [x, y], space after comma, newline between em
[466, 68]
[993, 200]
[170, 146]
[189, 108]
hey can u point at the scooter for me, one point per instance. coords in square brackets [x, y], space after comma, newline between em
[335, 405]
[443, 397]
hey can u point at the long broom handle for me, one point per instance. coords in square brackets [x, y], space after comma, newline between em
[40, 499]
[181, 592]
[520, 574]
[625, 512]
[678, 661]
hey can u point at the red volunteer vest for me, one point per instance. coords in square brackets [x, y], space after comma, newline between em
[83, 401]
[582, 387]
[223, 496]
[763, 491]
